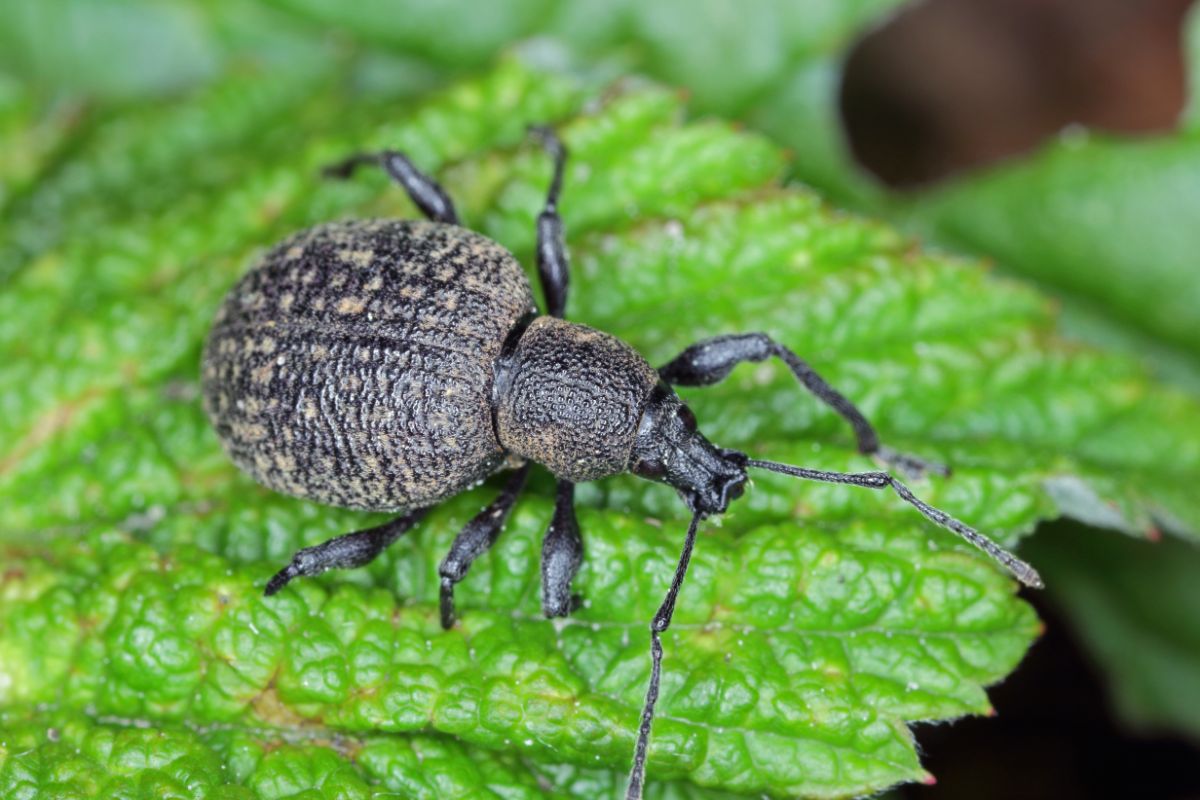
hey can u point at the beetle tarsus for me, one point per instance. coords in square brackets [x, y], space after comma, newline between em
[279, 580]
[912, 467]
[345, 168]
[446, 604]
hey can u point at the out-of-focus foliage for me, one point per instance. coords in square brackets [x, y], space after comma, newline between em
[1104, 221]
[1107, 221]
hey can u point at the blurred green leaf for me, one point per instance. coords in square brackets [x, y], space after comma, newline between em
[107, 49]
[816, 622]
[1106, 221]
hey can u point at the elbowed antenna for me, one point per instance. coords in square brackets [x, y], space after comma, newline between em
[879, 480]
[662, 620]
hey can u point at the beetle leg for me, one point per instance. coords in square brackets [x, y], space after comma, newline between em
[423, 190]
[344, 552]
[711, 360]
[562, 549]
[562, 552]
[553, 265]
[475, 539]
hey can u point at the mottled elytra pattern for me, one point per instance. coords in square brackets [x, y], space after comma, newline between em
[572, 398]
[354, 364]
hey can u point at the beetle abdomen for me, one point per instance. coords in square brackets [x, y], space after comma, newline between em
[354, 364]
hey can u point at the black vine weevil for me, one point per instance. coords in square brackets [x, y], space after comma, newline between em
[387, 365]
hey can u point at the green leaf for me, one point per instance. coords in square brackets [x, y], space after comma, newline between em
[817, 621]
[51, 755]
[175, 156]
[105, 48]
[1122, 267]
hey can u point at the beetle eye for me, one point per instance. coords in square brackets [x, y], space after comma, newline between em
[654, 470]
[687, 418]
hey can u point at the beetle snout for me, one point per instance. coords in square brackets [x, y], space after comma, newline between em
[729, 490]
[716, 497]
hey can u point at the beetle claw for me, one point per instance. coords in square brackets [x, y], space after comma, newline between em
[911, 467]
[281, 579]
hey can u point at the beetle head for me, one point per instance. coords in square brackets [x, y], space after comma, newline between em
[668, 448]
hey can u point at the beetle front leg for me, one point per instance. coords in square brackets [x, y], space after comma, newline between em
[711, 360]
[562, 553]
[344, 552]
[475, 539]
[426, 193]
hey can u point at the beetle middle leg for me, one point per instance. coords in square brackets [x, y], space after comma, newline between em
[344, 552]
[424, 191]
[562, 552]
[475, 539]
[711, 360]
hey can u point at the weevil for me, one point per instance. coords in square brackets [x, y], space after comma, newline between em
[387, 365]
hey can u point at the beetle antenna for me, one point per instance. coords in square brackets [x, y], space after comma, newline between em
[662, 620]
[880, 480]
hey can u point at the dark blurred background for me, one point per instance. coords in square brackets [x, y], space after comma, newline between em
[1056, 734]
[957, 84]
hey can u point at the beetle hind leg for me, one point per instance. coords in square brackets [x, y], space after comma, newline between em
[426, 193]
[344, 552]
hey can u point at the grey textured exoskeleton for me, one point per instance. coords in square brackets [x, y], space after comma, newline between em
[387, 365]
